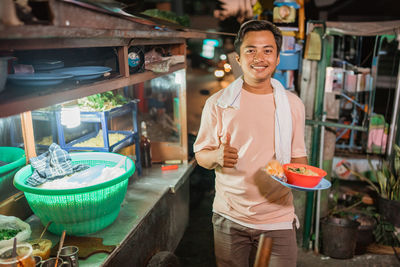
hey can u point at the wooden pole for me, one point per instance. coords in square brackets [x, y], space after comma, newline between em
[27, 134]
[263, 252]
[123, 61]
[301, 20]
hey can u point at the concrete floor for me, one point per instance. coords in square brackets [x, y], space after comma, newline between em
[196, 247]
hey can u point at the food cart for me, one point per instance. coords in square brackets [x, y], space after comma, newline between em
[154, 212]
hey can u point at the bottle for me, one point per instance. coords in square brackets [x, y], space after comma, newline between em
[145, 147]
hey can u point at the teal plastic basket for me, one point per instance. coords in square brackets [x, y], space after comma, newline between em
[79, 211]
[15, 157]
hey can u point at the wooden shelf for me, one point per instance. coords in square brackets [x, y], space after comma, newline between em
[65, 29]
[29, 37]
[17, 100]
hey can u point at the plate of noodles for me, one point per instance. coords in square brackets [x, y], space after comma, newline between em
[298, 176]
[323, 184]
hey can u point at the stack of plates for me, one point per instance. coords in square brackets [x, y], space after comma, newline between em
[57, 75]
[37, 79]
[41, 65]
[84, 72]
[324, 184]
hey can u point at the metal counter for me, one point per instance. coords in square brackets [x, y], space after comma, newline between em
[153, 217]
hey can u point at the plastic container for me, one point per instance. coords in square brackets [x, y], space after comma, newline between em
[101, 118]
[23, 256]
[301, 179]
[281, 77]
[289, 60]
[79, 211]
[16, 158]
[47, 116]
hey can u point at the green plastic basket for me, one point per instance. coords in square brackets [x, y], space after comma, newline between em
[79, 211]
[16, 158]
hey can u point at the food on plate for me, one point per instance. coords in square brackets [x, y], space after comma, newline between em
[275, 168]
[303, 171]
[41, 247]
[303, 175]
[6, 234]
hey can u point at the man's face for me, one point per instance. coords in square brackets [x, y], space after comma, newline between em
[258, 56]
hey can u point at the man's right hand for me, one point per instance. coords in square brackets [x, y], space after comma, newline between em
[224, 156]
[227, 155]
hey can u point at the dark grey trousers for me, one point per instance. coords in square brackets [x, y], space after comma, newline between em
[236, 245]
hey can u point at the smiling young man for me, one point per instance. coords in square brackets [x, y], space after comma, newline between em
[243, 127]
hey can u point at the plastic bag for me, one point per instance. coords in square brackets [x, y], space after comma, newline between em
[152, 56]
[11, 222]
[87, 175]
[159, 66]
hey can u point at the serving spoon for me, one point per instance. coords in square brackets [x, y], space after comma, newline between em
[36, 245]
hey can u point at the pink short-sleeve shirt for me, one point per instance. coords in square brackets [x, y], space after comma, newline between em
[245, 193]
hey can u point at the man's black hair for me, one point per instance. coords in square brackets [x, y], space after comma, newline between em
[258, 25]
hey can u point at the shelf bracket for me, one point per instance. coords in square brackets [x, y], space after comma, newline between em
[123, 61]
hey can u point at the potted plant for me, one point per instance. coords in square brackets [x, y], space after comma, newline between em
[386, 184]
[348, 230]
[387, 176]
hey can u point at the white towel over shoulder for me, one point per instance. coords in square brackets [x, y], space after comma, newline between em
[283, 116]
[283, 124]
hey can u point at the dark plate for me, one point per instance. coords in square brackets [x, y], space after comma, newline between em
[84, 72]
[37, 79]
[47, 64]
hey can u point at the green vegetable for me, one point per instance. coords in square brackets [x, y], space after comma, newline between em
[102, 102]
[6, 234]
[168, 16]
[296, 170]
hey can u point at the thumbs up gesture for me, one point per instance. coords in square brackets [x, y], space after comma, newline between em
[227, 156]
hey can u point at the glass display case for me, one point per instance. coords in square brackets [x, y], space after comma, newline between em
[161, 94]
[163, 108]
